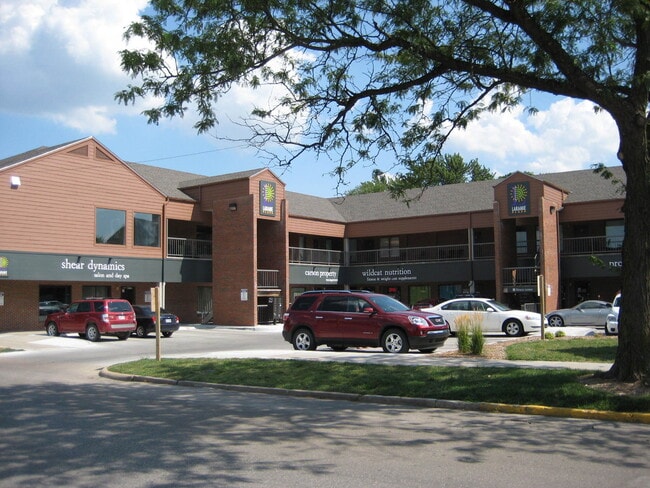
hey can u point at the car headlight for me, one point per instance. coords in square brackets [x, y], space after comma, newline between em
[420, 321]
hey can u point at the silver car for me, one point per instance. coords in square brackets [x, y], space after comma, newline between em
[588, 313]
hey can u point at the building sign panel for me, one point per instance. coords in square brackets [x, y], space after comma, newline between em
[314, 275]
[519, 198]
[4, 267]
[268, 198]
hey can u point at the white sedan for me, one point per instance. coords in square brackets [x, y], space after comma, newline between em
[492, 315]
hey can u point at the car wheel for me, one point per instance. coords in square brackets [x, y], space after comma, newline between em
[52, 329]
[141, 331]
[394, 341]
[303, 340]
[513, 328]
[92, 333]
[556, 321]
[123, 336]
[167, 334]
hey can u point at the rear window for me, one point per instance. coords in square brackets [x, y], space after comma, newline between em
[304, 302]
[119, 307]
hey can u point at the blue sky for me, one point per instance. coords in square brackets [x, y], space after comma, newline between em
[61, 70]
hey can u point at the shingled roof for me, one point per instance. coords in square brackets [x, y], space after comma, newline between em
[581, 186]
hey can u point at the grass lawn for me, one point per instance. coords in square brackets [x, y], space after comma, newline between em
[558, 388]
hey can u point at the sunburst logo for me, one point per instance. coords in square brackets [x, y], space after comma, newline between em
[518, 193]
[519, 198]
[267, 198]
[269, 192]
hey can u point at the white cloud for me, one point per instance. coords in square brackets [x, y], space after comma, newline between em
[567, 135]
[81, 118]
[61, 56]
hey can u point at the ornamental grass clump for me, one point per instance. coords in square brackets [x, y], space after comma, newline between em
[470, 334]
[477, 341]
[463, 334]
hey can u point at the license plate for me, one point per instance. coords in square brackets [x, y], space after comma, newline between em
[121, 317]
[168, 321]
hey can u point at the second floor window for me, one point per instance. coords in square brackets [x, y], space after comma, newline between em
[146, 229]
[110, 226]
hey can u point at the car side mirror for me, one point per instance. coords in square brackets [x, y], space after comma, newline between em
[368, 310]
[490, 309]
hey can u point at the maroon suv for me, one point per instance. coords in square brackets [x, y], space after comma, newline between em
[342, 319]
[93, 317]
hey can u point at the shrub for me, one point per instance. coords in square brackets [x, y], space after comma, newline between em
[478, 340]
[463, 333]
[469, 334]
[560, 333]
[549, 335]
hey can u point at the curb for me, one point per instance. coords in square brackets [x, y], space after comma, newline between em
[631, 417]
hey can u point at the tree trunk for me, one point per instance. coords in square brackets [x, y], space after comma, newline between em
[632, 361]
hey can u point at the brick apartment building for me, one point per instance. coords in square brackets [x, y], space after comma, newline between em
[77, 221]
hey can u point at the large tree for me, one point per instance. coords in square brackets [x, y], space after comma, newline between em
[443, 170]
[369, 77]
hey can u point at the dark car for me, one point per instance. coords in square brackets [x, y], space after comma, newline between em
[50, 306]
[93, 317]
[341, 319]
[146, 319]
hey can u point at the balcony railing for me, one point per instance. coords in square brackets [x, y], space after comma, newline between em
[268, 278]
[301, 255]
[591, 245]
[520, 276]
[178, 247]
[457, 252]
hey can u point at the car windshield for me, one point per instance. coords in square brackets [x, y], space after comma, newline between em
[499, 306]
[388, 304]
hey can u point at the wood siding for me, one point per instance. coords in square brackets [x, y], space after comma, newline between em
[53, 211]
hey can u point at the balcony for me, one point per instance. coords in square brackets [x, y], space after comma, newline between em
[520, 279]
[591, 245]
[178, 247]
[456, 252]
[268, 279]
[326, 257]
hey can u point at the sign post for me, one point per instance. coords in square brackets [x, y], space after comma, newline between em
[541, 291]
[155, 307]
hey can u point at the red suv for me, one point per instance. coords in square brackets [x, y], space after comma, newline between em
[342, 319]
[93, 317]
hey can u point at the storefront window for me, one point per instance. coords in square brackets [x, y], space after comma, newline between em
[146, 229]
[109, 226]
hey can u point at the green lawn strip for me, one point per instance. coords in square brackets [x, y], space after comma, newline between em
[555, 388]
[8, 349]
[589, 349]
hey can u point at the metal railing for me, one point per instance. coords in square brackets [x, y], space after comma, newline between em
[268, 278]
[179, 247]
[301, 255]
[591, 245]
[456, 252]
[519, 276]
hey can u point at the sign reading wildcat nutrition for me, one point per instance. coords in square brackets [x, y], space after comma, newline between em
[519, 198]
[268, 197]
